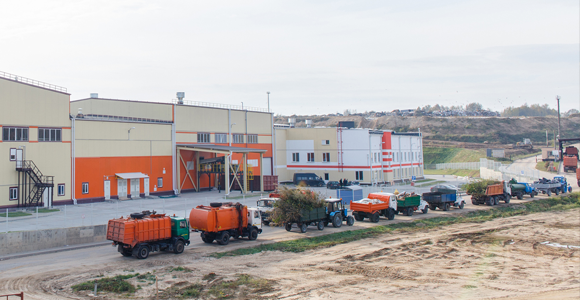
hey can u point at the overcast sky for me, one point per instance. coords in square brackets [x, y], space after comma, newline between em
[315, 57]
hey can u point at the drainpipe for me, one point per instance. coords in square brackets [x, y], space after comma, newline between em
[173, 152]
[370, 158]
[73, 144]
[230, 126]
[273, 139]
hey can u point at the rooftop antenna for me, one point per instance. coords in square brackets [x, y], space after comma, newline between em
[180, 96]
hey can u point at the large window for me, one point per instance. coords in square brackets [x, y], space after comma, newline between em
[85, 187]
[13, 193]
[295, 157]
[252, 138]
[221, 138]
[61, 189]
[49, 134]
[238, 138]
[203, 137]
[358, 175]
[310, 157]
[14, 134]
[326, 157]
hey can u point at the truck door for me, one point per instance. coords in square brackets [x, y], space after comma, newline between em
[107, 186]
[135, 188]
[122, 188]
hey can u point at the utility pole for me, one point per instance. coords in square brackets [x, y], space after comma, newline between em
[559, 137]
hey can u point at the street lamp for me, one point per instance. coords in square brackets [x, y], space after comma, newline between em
[268, 101]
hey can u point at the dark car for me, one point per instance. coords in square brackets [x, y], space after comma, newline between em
[437, 187]
[333, 185]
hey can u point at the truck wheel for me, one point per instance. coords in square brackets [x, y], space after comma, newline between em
[557, 192]
[409, 211]
[507, 199]
[288, 226]
[425, 209]
[320, 225]
[223, 238]
[474, 202]
[358, 217]
[143, 252]
[253, 235]
[549, 193]
[461, 205]
[390, 214]
[178, 247]
[497, 200]
[446, 206]
[337, 220]
[532, 195]
[215, 204]
[349, 221]
[124, 251]
[303, 227]
[375, 217]
[432, 206]
[519, 196]
[490, 201]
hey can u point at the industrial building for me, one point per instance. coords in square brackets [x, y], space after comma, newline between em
[333, 153]
[87, 150]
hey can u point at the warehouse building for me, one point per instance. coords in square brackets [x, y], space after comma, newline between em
[364, 155]
[87, 150]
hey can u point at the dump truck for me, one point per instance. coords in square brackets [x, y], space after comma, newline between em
[315, 216]
[572, 151]
[493, 194]
[443, 199]
[376, 205]
[570, 163]
[408, 203]
[222, 221]
[578, 176]
[146, 232]
[519, 189]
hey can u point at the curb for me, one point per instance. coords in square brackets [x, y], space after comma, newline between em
[54, 250]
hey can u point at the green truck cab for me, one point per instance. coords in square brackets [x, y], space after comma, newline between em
[180, 227]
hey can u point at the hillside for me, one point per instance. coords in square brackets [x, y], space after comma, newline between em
[493, 130]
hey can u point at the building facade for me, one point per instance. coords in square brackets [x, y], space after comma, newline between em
[364, 155]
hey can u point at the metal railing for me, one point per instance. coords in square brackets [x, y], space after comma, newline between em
[220, 105]
[121, 119]
[33, 82]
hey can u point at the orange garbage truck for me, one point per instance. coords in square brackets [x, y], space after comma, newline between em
[222, 221]
[570, 163]
[146, 232]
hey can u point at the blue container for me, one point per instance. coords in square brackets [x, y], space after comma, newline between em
[350, 194]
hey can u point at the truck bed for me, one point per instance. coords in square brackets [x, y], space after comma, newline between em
[437, 197]
[409, 201]
[313, 215]
[134, 231]
[368, 207]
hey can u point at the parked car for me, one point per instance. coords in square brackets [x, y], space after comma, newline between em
[333, 185]
[308, 179]
[437, 187]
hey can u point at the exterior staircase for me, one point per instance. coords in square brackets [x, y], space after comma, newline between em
[32, 184]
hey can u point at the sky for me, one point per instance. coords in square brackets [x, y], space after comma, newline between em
[314, 57]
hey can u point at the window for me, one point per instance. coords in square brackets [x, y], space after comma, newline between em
[14, 134]
[310, 157]
[295, 157]
[325, 142]
[12, 154]
[252, 138]
[326, 176]
[326, 157]
[13, 193]
[85, 187]
[159, 182]
[203, 137]
[221, 138]
[358, 175]
[238, 138]
[61, 189]
[375, 157]
[49, 134]
[182, 224]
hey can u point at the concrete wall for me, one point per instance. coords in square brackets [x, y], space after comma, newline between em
[24, 241]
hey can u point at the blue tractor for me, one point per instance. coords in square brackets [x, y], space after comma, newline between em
[563, 184]
[336, 213]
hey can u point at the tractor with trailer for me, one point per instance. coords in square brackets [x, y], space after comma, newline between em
[490, 193]
[547, 186]
[570, 163]
[444, 199]
[336, 213]
[376, 205]
[408, 203]
[315, 216]
[222, 221]
[519, 189]
[146, 232]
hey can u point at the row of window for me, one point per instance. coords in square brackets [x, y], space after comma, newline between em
[20, 134]
[222, 138]
[310, 157]
[13, 191]
[405, 156]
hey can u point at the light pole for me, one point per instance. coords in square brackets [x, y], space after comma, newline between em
[231, 133]
[268, 101]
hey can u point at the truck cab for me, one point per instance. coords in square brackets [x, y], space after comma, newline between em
[255, 219]
[336, 212]
[180, 228]
[265, 206]
[563, 183]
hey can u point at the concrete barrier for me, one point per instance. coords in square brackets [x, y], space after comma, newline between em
[24, 241]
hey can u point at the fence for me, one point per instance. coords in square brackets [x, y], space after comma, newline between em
[495, 170]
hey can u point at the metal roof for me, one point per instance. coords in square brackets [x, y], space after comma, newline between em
[222, 148]
[134, 175]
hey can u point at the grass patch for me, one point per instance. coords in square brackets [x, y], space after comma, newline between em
[243, 286]
[429, 183]
[181, 269]
[545, 166]
[438, 155]
[115, 284]
[47, 210]
[227, 289]
[299, 245]
[15, 214]
[469, 286]
[424, 180]
[456, 172]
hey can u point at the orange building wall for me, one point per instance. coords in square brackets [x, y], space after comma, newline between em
[94, 170]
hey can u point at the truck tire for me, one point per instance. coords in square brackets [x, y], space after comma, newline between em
[337, 220]
[253, 235]
[178, 247]
[507, 198]
[142, 252]
[409, 211]
[320, 225]
[303, 227]
[474, 202]
[490, 201]
[124, 251]
[432, 206]
[532, 195]
[446, 206]
[496, 198]
[288, 226]
[425, 209]
[137, 215]
[520, 196]
[215, 204]
[223, 238]
[375, 217]
[390, 214]
[461, 205]
[557, 191]
[358, 217]
[549, 193]
[349, 221]
[206, 238]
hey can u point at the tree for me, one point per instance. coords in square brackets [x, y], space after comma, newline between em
[474, 107]
[571, 112]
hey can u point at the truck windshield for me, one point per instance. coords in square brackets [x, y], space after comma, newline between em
[266, 203]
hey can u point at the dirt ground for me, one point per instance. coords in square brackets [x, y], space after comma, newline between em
[503, 258]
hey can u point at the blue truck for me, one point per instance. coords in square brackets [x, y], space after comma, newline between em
[444, 199]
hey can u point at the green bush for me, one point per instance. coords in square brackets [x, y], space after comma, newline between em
[292, 202]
